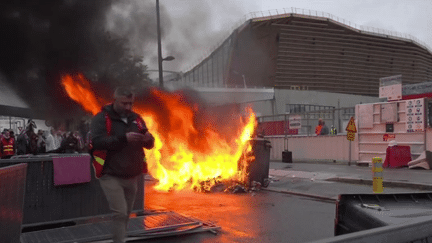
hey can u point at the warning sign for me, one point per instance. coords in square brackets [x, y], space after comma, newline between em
[350, 136]
[295, 122]
[415, 117]
[351, 127]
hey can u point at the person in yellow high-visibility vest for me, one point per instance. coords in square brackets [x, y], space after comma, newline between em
[333, 130]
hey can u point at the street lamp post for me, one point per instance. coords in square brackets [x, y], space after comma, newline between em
[160, 59]
[159, 45]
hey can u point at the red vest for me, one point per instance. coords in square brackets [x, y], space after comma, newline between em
[7, 146]
[99, 156]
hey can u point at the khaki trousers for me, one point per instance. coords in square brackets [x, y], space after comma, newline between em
[120, 194]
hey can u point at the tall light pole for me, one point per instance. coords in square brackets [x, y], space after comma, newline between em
[159, 45]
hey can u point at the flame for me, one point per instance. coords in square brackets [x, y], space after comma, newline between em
[79, 89]
[186, 155]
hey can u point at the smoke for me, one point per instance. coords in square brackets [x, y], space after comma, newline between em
[190, 29]
[44, 39]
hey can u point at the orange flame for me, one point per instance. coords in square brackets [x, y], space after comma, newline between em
[79, 89]
[186, 155]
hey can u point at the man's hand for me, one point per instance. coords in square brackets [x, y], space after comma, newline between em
[134, 137]
[148, 138]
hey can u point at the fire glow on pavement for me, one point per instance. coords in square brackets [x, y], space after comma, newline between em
[187, 154]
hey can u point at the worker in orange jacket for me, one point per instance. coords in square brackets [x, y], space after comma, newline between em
[319, 127]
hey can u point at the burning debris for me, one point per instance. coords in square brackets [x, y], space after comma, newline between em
[191, 151]
[229, 186]
[214, 185]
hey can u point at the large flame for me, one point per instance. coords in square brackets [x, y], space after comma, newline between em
[186, 155]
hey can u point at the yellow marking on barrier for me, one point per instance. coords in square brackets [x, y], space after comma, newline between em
[99, 160]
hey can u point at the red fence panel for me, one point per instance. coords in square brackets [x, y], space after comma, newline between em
[270, 128]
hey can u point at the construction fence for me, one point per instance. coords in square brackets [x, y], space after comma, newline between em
[301, 120]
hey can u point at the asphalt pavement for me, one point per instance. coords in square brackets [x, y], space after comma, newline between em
[297, 206]
[294, 178]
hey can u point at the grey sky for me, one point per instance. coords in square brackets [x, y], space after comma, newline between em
[197, 26]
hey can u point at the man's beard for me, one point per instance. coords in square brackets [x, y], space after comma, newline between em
[125, 113]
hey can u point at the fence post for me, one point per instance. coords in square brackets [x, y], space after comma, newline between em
[339, 127]
[285, 133]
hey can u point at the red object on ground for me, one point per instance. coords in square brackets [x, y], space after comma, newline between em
[397, 156]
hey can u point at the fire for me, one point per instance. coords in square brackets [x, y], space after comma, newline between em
[191, 151]
[79, 89]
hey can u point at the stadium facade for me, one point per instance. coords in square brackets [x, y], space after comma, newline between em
[311, 52]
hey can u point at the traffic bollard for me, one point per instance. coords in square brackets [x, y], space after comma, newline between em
[377, 170]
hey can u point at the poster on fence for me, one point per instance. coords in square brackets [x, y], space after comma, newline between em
[295, 122]
[415, 117]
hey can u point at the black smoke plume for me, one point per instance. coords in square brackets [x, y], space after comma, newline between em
[42, 40]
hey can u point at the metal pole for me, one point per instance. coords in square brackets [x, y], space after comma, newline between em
[339, 127]
[159, 46]
[285, 132]
[349, 160]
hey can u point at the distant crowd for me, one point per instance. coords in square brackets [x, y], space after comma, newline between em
[41, 142]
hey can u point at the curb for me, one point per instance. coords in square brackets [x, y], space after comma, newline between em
[385, 183]
[321, 198]
[321, 161]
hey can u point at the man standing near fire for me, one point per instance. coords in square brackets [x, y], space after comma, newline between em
[123, 135]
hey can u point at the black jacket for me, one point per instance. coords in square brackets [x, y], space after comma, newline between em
[123, 160]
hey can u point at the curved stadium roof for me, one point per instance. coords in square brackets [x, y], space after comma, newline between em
[314, 52]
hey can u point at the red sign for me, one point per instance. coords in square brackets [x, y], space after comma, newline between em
[351, 127]
[387, 137]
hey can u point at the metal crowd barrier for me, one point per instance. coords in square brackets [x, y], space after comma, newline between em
[12, 185]
[45, 203]
[417, 231]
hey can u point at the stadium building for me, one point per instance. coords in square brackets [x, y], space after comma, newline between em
[308, 50]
